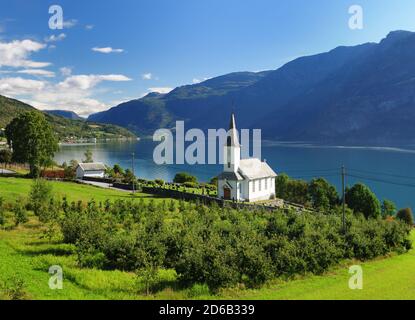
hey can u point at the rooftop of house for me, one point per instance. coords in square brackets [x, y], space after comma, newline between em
[92, 166]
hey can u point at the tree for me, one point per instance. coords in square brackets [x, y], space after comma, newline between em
[128, 176]
[281, 186]
[118, 170]
[361, 199]
[322, 194]
[40, 196]
[32, 141]
[406, 216]
[5, 156]
[88, 157]
[388, 208]
[20, 213]
[183, 177]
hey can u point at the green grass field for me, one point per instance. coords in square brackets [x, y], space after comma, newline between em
[12, 189]
[26, 257]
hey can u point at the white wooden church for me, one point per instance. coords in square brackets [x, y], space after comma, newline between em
[246, 180]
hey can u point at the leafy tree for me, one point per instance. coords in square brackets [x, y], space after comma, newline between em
[118, 170]
[388, 208]
[32, 141]
[40, 196]
[183, 177]
[88, 156]
[129, 176]
[322, 194]
[361, 199]
[20, 213]
[214, 181]
[2, 213]
[406, 215]
[281, 186]
[5, 156]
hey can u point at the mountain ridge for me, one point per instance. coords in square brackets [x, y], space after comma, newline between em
[351, 94]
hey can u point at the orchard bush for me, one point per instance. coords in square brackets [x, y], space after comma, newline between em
[222, 247]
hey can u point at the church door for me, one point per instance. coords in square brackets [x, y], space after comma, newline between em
[226, 193]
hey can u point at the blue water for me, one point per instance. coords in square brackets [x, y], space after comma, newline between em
[389, 172]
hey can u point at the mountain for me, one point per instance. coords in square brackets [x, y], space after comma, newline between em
[361, 94]
[154, 111]
[64, 114]
[66, 129]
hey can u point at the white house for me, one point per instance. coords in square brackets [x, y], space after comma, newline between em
[91, 170]
[247, 180]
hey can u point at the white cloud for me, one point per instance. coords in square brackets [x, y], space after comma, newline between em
[70, 23]
[107, 50]
[86, 82]
[55, 38]
[196, 80]
[19, 86]
[160, 89]
[65, 71]
[89, 27]
[15, 54]
[75, 93]
[38, 72]
[147, 76]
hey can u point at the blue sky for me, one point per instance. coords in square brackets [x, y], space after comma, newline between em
[161, 44]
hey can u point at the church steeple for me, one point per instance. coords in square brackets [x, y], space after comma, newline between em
[233, 140]
[232, 155]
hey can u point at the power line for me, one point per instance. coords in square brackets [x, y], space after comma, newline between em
[383, 174]
[382, 181]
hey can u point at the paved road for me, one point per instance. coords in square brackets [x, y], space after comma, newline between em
[102, 185]
[5, 171]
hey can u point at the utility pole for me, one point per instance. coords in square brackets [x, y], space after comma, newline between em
[344, 198]
[132, 166]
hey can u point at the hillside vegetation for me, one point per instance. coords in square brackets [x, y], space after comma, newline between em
[66, 129]
[127, 249]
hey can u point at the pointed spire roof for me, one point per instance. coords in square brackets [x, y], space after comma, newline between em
[233, 140]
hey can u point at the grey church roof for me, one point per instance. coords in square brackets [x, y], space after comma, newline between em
[92, 166]
[232, 176]
[255, 169]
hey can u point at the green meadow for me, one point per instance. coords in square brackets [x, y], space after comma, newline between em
[13, 188]
[26, 257]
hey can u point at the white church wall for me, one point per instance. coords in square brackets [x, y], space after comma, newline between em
[261, 189]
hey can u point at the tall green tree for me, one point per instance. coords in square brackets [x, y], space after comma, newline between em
[32, 141]
[88, 156]
[322, 194]
[5, 156]
[388, 208]
[406, 215]
[361, 199]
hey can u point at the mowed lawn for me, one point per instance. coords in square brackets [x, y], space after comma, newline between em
[12, 189]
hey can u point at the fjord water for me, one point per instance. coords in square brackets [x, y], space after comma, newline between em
[389, 172]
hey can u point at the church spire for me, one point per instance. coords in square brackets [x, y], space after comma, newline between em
[233, 140]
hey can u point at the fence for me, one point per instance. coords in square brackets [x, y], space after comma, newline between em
[167, 193]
